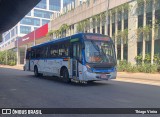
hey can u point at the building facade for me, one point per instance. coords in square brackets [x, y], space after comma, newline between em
[37, 17]
[132, 24]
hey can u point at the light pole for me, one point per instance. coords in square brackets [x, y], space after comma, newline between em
[107, 2]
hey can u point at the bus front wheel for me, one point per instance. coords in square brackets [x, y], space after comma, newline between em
[65, 76]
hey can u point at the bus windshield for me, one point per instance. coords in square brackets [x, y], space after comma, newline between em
[99, 52]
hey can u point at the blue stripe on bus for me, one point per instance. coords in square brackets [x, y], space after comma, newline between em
[104, 70]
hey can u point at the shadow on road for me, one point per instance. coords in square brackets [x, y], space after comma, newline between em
[60, 81]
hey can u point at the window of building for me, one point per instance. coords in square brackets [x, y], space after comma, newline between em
[12, 33]
[125, 14]
[119, 52]
[7, 37]
[125, 52]
[149, 6]
[119, 16]
[140, 21]
[119, 25]
[157, 5]
[113, 28]
[103, 30]
[139, 48]
[157, 47]
[66, 2]
[126, 24]
[30, 21]
[45, 21]
[42, 14]
[113, 18]
[54, 5]
[25, 29]
[149, 18]
[140, 9]
[42, 4]
[148, 47]
[108, 29]
[16, 28]
[98, 30]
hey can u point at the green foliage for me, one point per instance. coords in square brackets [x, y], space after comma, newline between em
[147, 58]
[145, 30]
[123, 35]
[50, 33]
[139, 59]
[8, 57]
[158, 69]
[80, 26]
[156, 59]
[124, 66]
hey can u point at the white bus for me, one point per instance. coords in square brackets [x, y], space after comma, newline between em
[81, 58]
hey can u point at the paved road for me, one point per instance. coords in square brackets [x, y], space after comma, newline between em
[21, 89]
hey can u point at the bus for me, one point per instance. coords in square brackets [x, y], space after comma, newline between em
[83, 57]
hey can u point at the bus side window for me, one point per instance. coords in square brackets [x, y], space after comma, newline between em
[53, 53]
[38, 53]
[33, 54]
[27, 55]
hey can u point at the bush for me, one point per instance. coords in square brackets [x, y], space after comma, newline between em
[146, 68]
[158, 69]
[8, 57]
[12, 63]
[123, 66]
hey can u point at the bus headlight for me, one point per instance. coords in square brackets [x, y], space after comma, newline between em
[89, 69]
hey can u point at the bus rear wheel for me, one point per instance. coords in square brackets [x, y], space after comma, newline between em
[36, 72]
[65, 76]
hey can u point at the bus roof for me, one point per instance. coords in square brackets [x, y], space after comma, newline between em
[78, 35]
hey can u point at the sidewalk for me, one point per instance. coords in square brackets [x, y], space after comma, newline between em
[146, 76]
[19, 67]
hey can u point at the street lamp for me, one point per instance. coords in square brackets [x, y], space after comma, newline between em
[107, 2]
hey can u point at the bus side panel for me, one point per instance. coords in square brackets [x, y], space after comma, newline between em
[32, 65]
[50, 67]
[40, 64]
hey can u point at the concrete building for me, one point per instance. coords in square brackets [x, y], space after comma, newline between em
[37, 17]
[132, 24]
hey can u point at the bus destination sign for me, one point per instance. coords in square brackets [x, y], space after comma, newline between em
[100, 38]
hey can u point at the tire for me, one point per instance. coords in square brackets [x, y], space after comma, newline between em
[65, 76]
[36, 72]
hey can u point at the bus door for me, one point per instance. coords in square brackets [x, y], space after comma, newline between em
[77, 55]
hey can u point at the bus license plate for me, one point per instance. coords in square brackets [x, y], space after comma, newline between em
[104, 76]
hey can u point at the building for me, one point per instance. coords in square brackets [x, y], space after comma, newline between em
[33, 38]
[132, 24]
[37, 17]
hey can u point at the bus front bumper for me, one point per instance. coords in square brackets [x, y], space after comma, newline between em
[99, 76]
